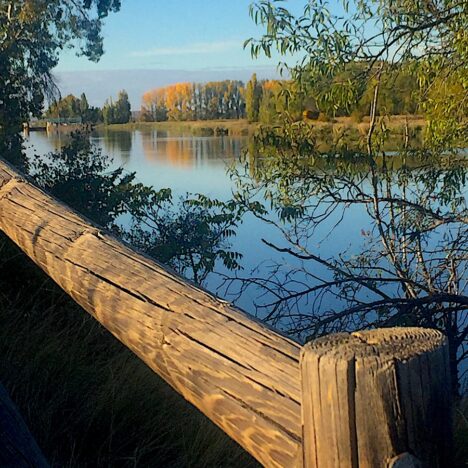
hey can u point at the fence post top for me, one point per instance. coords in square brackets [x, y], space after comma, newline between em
[395, 343]
[377, 398]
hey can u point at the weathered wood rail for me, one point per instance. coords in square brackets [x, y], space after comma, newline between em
[360, 400]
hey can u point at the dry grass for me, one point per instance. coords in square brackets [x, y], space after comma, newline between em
[325, 130]
[243, 127]
[199, 127]
[86, 398]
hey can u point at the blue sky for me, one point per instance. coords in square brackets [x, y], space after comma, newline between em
[175, 34]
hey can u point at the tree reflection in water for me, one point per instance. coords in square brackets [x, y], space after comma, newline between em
[410, 210]
[411, 266]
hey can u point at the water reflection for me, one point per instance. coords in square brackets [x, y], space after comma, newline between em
[188, 151]
[396, 222]
[408, 265]
[184, 162]
[117, 142]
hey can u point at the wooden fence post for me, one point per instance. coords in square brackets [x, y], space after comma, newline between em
[377, 398]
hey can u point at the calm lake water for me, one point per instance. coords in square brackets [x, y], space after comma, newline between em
[190, 164]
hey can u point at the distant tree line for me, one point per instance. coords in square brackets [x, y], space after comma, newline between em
[195, 101]
[266, 100]
[72, 107]
[118, 112]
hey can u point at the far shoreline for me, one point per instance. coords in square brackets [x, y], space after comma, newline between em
[241, 127]
[231, 127]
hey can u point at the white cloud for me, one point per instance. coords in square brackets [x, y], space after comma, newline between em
[190, 49]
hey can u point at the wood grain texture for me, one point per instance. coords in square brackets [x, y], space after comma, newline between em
[18, 449]
[369, 397]
[242, 375]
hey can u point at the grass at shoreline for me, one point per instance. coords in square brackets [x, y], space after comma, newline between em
[327, 134]
[243, 128]
[86, 398]
[197, 128]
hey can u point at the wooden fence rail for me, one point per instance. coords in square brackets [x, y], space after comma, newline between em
[357, 400]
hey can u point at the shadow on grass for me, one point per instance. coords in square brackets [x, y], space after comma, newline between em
[86, 398]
